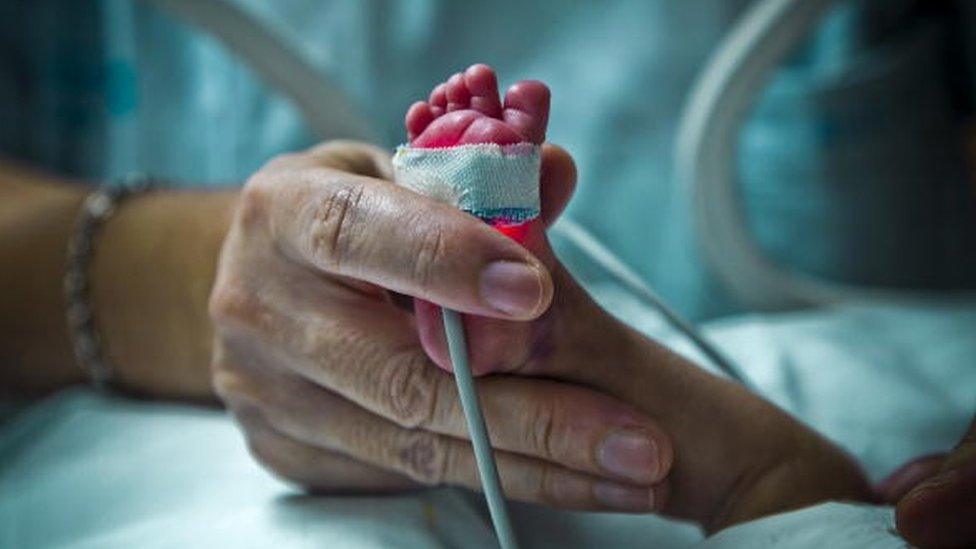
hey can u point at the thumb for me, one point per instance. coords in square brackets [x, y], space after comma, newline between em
[498, 345]
[941, 510]
[557, 181]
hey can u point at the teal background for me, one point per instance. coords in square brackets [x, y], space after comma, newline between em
[851, 166]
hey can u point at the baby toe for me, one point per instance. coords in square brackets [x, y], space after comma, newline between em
[527, 109]
[438, 99]
[482, 83]
[458, 96]
[419, 116]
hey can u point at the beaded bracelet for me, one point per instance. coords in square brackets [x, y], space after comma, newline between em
[98, 207]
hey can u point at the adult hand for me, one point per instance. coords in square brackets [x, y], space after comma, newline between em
[737, 456]
[936, 496]
[323, 368]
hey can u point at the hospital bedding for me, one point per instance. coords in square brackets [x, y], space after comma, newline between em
[83, 470]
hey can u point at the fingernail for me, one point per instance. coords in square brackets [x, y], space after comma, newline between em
[511, 287]
[630, 454]
[624, 498]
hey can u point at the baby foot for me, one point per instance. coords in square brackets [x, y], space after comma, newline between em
[467, 110]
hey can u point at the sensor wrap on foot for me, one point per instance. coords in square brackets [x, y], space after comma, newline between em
[493, 182]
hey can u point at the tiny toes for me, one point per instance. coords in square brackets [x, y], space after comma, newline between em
[466, 109]
[419, 116]
[527, 109]
[458, 96]
[483, 86]
[438, 99]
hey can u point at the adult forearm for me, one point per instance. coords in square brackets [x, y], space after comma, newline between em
[151, 278]
[36, 216]
[151, 273]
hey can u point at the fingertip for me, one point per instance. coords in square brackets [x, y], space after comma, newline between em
[558, 163]
[516, 289]
[639, 454]
[624, 498]
[906, 477]
[911, 521]
[938, 512]
[557, 181]
[552, 151]
[430, 330]
[661, 494]
[547, 288]
[665, 452]
[469, 267]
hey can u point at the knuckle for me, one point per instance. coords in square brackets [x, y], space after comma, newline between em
[349, 156]
[430, 252]
[267, 453]
[424, 457]
[221, 304]
[232, 388]
[547, 488]
[542, 431]
[226, 384]
[260, 448]
[234, 302]
[282, 161]
[334, 224]
[255, 200]
[248, 416]
[411, 391]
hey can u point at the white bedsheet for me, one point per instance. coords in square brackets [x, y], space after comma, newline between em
[83, 470]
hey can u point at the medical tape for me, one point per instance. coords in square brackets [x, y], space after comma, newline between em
[493, 182]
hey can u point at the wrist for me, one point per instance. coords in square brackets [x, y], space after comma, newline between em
[738, 457]
[151, 278]
[36, 217]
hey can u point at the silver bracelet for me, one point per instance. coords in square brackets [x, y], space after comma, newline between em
[96, 210]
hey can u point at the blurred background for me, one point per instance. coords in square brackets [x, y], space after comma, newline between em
[852, 165]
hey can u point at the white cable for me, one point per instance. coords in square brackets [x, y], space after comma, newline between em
[623, 274]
